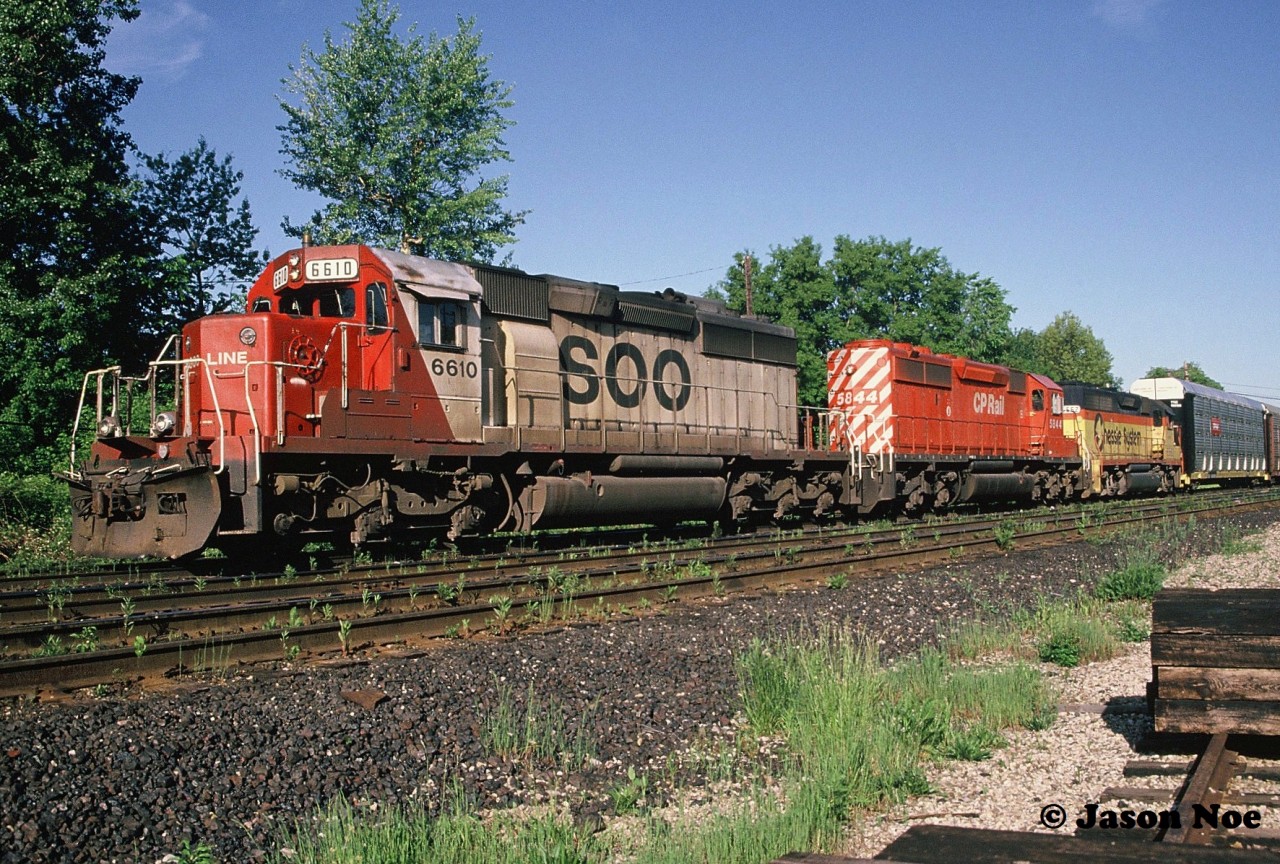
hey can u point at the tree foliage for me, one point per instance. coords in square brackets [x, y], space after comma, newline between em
[396, 133]
[206, 235]
[1068, 350]
[872, 288]
[1189, 371]
[73, 256]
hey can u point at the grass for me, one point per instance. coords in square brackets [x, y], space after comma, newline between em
[853, 734]
[1234, 543]
[536, 730]
[402, 836]
[1139, 577]
[1064, 631]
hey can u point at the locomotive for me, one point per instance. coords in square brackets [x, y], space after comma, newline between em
[366, 395]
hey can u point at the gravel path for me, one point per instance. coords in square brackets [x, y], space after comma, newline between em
[1084, 753]
[230, 762]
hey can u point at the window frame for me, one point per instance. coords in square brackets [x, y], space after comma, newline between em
[430, 324]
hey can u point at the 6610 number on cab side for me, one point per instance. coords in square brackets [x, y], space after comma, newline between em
[454, 368]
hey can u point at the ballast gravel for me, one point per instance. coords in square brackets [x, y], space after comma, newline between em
[232, 763]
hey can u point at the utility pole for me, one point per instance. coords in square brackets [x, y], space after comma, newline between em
[746, 276]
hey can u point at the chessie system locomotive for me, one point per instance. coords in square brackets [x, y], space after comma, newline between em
[366, 394]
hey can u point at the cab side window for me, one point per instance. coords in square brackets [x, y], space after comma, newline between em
[375, 306]
[1037, 400]
[441, 324]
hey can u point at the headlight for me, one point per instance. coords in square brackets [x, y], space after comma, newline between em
[109, 427]
[163, 424]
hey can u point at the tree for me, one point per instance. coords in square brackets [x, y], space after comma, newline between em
[1024, 351]
[912, 294]
[1190, 371]
[396, 133]
[73, 256]
[872, 288]
[191, 204]
[1067, 350]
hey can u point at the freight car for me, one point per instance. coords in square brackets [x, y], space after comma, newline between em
[1129, 444]
[1223, 435]
[365, 393]
[1271, 428]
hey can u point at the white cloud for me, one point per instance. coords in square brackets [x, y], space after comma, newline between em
[161, 42]
[1125, 13]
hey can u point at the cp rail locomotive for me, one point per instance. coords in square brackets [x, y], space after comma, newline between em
[366, 394]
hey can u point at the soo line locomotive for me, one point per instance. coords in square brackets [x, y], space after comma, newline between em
[366, 394]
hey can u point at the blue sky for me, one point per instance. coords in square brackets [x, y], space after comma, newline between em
[1118, 158]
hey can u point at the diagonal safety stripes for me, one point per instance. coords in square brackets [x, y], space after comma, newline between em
[860, 391]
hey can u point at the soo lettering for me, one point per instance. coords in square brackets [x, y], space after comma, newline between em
[626, 374]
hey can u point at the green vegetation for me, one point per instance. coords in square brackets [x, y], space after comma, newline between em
[1004, 534]
[402, 836]
[853, 734]
[1189, 371]
[1140, 577]
[870, 288]
[35, 521]
[536, 731]
[381, 187]
[1233, 542]
[1067, 350]
[1065, 631]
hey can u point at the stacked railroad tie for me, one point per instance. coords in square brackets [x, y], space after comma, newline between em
[1215, 661]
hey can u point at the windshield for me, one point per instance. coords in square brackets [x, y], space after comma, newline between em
[320, 302]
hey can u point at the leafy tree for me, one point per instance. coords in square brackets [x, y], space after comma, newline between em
[872, 288]
[396, 133]
[794, 288]
[912, 294]
[1024, 351]
[191, 203]
[1068, 350]
[73, 256]
[1189, 371]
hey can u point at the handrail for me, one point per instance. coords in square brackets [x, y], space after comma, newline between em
[149, 378]
[217, 409]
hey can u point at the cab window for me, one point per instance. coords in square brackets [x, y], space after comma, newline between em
[441, 323]
[1037, 400]
[376, 305]
[319, 302]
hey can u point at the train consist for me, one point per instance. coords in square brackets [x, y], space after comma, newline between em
[366, 395]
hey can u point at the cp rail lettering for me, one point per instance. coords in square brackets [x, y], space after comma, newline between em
[626, 374]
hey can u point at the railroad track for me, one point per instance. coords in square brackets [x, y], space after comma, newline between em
[1204, 799]
[81, 635]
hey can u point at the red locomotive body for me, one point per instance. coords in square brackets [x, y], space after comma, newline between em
[933, 429]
